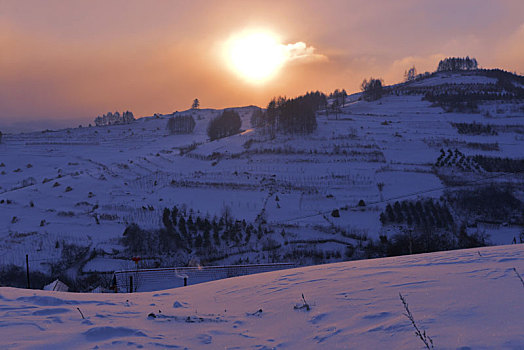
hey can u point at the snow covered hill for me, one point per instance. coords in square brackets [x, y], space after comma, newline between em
[467, 299]
[67, 196]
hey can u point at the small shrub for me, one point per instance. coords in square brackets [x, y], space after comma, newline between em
[109, 217]
[475, 128]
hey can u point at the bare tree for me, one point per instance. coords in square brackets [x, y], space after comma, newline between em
[410, 74]
[372, 89]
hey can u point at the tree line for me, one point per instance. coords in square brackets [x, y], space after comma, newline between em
[457, 63]
[114, 118]
[226, 124]
[182, 124]
[495, 202]
[185, 232]
[427, 213]
[290, 116]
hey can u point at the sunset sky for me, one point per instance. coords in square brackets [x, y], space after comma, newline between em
[62, 63]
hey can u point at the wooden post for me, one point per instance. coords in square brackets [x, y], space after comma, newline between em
[130, 284]
[410, 242]
[114, 284]
[27, 270]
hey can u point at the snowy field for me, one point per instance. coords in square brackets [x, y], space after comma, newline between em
[468, 299]
[83, 186]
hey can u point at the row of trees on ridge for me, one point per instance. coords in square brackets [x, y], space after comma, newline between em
[114, 118]
[457, 63]
[296, 115]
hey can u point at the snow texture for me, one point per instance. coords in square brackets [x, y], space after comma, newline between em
[83, 186]
[468, 299]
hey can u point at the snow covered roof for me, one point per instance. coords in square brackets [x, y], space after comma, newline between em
[57, 286]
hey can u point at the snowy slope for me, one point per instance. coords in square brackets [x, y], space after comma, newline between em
[469, 299]
[83, 186]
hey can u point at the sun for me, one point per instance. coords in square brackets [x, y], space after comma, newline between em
[256, 56]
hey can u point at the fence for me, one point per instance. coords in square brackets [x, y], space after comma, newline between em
[148, 280]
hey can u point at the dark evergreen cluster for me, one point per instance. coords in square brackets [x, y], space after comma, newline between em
[226, 124]
[498, 164]
[463, 92]
[316, 256]
[114, 118]
[426, 213]
[505, 79]
[456, 158]
[297, 115]
[186, 232]
[457, 64]
[495, 202]
[416, 241]
[373, 89]
[450, 102]
[183, 124]
[479, 163]
[465, 97]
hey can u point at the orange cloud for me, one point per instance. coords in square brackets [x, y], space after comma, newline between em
[300, 52]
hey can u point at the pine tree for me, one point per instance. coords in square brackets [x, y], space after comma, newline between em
[216, 235]
[198, 241]
[390, 213]
[206, 238]
[167, 221]
[196, 104]
[182, 227]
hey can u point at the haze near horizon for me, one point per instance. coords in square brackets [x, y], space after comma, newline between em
[64, 63]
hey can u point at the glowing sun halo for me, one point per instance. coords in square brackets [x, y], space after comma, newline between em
[255, 56]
